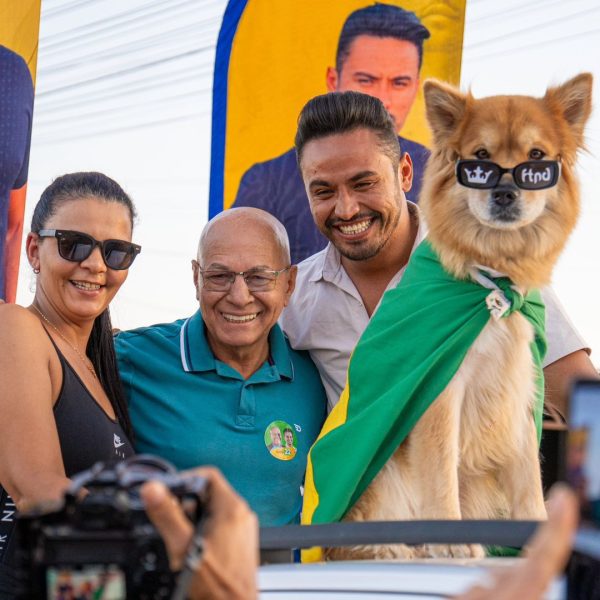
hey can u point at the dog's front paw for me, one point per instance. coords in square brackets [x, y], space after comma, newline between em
[475, 551]
[533, 512]
[450, 551]
[374, 552]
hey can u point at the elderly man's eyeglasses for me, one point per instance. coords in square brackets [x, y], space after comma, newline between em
[257, 280]
[77, 247]
[528, 175]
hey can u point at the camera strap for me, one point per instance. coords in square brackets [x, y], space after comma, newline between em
[192, 561]
[8, 515]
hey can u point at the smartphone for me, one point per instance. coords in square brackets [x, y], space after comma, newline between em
[582, 471]
[92, 581]
[582, 458]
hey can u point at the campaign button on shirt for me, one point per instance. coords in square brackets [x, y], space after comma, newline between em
[281, 440]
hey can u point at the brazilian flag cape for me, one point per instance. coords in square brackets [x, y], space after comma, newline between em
[413, 346]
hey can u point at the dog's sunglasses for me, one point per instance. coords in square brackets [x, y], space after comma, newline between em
[528, 175]
[76, 247]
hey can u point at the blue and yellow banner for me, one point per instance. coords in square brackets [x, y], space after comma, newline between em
[272, 57]
[19, 30]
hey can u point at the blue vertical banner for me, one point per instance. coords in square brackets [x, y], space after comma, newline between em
[19, 30]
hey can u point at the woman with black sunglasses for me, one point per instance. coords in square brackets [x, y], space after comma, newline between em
[61, 400]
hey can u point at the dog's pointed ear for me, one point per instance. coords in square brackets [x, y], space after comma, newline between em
[573, 100]
[445, 108]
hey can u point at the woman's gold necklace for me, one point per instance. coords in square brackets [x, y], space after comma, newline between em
[87, 362]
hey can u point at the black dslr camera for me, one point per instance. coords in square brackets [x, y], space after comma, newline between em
[103, 545]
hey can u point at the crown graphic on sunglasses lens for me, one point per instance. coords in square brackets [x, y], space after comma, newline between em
[528, 175]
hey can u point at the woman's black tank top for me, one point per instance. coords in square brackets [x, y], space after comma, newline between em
[87, 435]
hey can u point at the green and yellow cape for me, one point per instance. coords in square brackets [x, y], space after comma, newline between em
[413, 346]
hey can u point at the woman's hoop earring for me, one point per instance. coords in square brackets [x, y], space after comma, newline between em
[36, 271]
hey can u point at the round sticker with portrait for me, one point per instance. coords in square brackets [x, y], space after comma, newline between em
[281, 440]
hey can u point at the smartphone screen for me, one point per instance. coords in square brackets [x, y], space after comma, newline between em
[89, 582]
[582, 462]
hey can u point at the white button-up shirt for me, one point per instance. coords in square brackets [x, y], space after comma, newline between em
[326, 316]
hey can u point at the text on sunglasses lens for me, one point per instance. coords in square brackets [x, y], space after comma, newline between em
[528, 175]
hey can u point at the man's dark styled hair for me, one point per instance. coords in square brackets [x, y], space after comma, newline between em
[341, 112]
[383, 21]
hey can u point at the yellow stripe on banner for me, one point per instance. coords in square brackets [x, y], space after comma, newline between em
[337, 417]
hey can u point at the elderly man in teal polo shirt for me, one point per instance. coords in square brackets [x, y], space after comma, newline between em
[210, 389]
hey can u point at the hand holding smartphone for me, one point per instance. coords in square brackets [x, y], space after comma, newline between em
[582, 461]
[582, 472]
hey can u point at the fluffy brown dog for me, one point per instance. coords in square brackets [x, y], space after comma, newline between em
[474, 453]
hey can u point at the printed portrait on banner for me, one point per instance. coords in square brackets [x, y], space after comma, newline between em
[273, 57]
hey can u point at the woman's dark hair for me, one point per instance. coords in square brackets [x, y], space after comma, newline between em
[77, 186]
[101, 351]
[100, 348]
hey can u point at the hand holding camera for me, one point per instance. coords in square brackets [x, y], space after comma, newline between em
[102, 538]
[230, 538]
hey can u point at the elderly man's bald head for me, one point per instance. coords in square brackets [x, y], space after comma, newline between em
[243, 281]
[227, 223]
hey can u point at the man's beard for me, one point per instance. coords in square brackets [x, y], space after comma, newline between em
[365, 251]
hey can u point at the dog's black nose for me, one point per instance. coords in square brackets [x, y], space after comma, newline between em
[504, 195]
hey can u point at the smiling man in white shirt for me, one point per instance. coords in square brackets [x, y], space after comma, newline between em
[356, 178]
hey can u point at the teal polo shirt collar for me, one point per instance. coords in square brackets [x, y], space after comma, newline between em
[196, 355]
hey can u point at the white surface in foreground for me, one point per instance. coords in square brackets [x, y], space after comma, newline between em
[366, 579]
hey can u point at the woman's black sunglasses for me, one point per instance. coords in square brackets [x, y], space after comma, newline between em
[76, 247]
